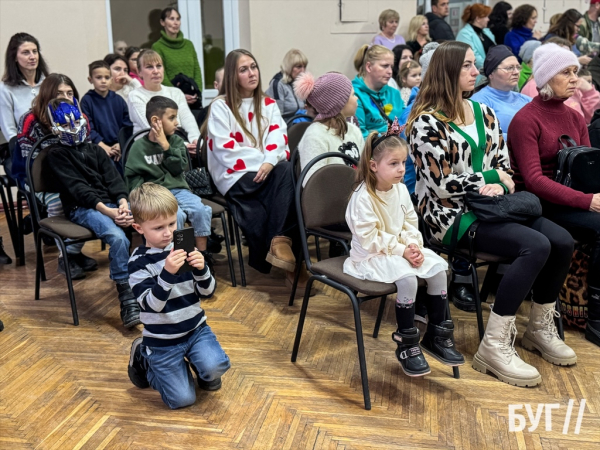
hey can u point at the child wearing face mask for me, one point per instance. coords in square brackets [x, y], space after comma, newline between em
[410, 76]
[387, 247]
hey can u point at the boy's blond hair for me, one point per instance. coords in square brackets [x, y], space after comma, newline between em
[151, 201]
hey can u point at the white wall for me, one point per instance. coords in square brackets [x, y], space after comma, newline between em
[71, 33]
[314, 27]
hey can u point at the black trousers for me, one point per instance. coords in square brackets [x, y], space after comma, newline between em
[263, 211]
[541, 254]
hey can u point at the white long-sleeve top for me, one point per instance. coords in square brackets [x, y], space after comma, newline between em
[230, 151]
[138, 98]
[14, 102]
[380, 234]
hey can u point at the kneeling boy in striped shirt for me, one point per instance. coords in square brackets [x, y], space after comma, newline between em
[176, 335]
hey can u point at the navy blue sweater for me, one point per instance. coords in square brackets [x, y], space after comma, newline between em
[170, 303]
[107, 115]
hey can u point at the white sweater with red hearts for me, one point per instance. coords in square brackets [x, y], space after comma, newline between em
[230, 152]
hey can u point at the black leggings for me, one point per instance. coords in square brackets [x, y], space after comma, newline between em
[541, 253]
[263, 211]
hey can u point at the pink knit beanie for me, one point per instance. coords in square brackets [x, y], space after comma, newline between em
[328, 94]
[549, 60]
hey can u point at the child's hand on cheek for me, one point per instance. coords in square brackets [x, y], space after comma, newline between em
[175, 260]
[196, 260]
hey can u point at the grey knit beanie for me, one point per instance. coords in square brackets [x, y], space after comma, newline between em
[426, 57]
[527, 49]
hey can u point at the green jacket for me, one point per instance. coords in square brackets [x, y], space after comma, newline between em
[179, 56]
[148, 162]
[526, 72]
[585, 29]
[368, 115]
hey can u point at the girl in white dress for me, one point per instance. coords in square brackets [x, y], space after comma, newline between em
[388, 247]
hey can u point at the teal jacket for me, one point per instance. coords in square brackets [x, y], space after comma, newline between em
[468, 35]
[368, 115]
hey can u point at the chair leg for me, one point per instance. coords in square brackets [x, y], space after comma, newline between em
[361, 352]
[477, 300]
[301, 318]
[39, 264]
[455, 369]
[231, 228]
[228, 249]
[299, 261]
[238, 241]
[21, 235]
[559, 321]
[318, 248]
[10, 219]
[488, 281]
[69, 282]
[103, 246]
[379, 316]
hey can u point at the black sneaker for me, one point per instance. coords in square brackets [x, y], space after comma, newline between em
[216, 237]
[462, 297]
[213, 385]
[409, 352]
[213, 246]
[85, 262]
[130, 310]
[209, 260]
[137, 368]
[76, 270]
[4, 258]
[1, 326]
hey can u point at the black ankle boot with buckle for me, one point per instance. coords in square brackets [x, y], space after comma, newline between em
[409, 352]
[438, 342]
[130, 310]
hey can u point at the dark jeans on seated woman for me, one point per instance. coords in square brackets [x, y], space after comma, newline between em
[584, 226]
[263, 211]
[541, 253]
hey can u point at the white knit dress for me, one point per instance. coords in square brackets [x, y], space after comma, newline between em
[380, 234]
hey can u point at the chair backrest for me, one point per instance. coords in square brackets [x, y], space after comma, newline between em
[296, 167]
[323, 201]
[130, 141]
[40, 178]
[295, 133]
[125, 134]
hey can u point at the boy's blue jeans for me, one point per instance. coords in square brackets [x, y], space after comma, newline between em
[169, 373]
[107, 230]
[191, 208]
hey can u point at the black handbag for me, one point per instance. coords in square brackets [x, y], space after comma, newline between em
[517, 207]
[578, 166]
[199, 180]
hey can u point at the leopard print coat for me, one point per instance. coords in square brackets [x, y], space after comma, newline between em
[443, 164]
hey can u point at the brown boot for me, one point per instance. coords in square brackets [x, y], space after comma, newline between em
[302, 281]
[281, 254]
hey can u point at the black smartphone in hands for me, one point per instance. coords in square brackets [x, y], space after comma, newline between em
[184, 240]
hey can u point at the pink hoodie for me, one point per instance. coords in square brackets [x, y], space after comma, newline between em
[585, 103]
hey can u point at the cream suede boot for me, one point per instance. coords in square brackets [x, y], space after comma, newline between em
[497, 354]
[542, 336]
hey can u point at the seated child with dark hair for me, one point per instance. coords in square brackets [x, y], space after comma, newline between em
[106, 111]
[161, 157]
[175, 327]
[93, 194]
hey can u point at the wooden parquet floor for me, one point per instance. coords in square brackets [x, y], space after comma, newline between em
[66, 387]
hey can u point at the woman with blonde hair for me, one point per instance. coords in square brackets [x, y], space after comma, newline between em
[281, 88]
[378, 103]
[388, 24]
[418, 34]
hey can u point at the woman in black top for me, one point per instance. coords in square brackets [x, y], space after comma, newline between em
[499, 19]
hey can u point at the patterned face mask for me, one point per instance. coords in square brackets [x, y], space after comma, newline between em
[68, 123]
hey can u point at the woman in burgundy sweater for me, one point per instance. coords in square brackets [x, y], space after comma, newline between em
[533, 145]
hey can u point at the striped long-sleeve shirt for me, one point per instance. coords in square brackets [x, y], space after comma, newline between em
[170, 303]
